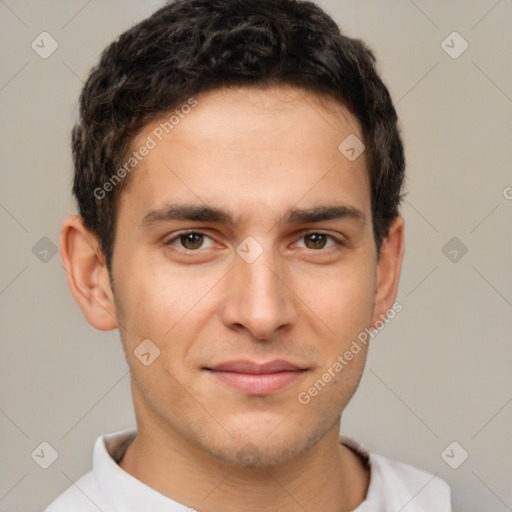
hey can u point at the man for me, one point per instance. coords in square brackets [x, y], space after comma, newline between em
[238, 171]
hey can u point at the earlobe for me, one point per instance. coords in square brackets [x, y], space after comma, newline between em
[389, 269]
[87, 274]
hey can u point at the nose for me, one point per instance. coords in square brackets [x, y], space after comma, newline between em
[259, 297]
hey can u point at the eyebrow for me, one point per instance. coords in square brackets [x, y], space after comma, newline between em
[201, 213]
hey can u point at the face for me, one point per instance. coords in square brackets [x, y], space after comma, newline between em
[244, 252]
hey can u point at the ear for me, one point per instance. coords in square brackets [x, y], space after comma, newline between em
[388, 269]
[87, 274]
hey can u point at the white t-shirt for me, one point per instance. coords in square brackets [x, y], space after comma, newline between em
[107, 487]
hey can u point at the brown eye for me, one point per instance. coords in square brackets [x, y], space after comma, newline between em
[191, 241]
[315, 240]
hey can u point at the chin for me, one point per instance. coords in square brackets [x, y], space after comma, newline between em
[256, 448]
[256, 455]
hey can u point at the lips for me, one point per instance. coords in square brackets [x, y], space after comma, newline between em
[253, 378]
[256, 369]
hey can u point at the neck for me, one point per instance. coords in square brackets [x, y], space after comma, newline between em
[329, 477]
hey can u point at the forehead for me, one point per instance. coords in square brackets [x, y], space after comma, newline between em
[249, 147]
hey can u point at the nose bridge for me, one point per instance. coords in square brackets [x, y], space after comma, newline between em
[261, 279]
[257, 297]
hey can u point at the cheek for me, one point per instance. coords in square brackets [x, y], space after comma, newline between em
[332, 386]
[154, 302]
[342, 299]
[159, 308]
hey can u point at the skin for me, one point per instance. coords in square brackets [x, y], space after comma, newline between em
[255, 153]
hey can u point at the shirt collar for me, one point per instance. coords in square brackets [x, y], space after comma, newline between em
[127, 493]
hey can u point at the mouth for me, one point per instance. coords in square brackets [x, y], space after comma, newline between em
[257, 379]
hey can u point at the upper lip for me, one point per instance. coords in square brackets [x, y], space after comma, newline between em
[250, 367]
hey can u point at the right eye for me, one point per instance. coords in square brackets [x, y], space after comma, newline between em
[189, 240]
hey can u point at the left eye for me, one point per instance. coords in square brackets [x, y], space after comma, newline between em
[317, 241]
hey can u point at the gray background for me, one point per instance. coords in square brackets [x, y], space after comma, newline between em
[438, 373]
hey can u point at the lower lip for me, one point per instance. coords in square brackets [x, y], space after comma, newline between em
[258, 384]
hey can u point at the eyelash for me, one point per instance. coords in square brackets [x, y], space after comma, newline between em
[338, 243]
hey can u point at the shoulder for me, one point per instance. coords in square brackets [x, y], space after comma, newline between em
[398, 486]
[90, 493]
[82, 496]
[410, 488]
